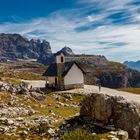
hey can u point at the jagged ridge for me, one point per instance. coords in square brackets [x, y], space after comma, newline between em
[15, 46]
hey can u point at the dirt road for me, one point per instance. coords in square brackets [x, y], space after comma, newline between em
[35, 83]
[91, 89]
[113, 92]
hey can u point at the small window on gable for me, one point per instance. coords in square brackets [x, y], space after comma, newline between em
[62, 59]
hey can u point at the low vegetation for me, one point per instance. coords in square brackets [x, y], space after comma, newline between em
[132, 90]
[48, 107]
[80, 134]
[21, 70]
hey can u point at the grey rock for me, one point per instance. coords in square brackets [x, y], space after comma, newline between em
[51, 132]
[68, 96]
[110, 110]
[37, 96]
[2, 129]
[2, 105]
[122, 135]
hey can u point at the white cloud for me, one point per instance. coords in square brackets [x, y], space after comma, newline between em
[90, 18]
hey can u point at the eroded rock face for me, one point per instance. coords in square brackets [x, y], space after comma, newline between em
[15, 46]
[110, 110]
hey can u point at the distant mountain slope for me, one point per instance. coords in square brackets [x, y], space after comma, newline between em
[15, 46]
[109, 74]
[48, 60]
[133, 65]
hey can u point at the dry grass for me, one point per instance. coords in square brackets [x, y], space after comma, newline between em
[42, 108]
[4, 96]
[132, 90]
[22, 70]
[50, 103]
[79, 134]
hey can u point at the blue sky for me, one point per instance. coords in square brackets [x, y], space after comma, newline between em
[102, 27]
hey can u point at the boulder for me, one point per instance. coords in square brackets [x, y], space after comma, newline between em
[97, 107]
[51, 132]
[37, 96]
[111, 110]
[122, 135]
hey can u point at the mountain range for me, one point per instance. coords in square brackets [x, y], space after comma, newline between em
[96, 67]
[15, 46]
[133, 65]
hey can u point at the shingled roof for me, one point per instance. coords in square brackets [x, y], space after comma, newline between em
[52, 70]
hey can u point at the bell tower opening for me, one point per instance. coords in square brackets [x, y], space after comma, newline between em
[62, 59]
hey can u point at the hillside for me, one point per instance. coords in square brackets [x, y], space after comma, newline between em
[133, 65]
[109, 74]
[97, 68]
[15, 71]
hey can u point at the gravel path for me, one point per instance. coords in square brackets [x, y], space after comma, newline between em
[113, 92]
[35, 83]
[91, 89]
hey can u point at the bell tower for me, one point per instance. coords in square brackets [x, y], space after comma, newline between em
[60, 63]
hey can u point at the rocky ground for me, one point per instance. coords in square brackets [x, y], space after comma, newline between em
[34, 115]
[30, 114]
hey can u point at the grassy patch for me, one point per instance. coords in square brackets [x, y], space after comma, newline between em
[132, 90]
[5, 137]
[42, 128]
[29, 76]
[4, 96]
[42, 108]
[80, 134]
[13, 81]
[22, 70]
[50, 103]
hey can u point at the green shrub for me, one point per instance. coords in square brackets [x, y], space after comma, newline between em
[78, 134]
[42, 128]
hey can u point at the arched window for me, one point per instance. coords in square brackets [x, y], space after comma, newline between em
[62, 59]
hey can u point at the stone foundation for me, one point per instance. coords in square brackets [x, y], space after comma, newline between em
[73, 86]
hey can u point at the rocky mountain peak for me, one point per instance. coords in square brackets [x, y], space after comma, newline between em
[67, 51]
[15, 46]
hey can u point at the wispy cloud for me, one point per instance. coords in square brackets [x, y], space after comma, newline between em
[109, 28]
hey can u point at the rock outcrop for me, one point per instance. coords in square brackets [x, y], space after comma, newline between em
[15, 46]
[67, 51]
[110, 110]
